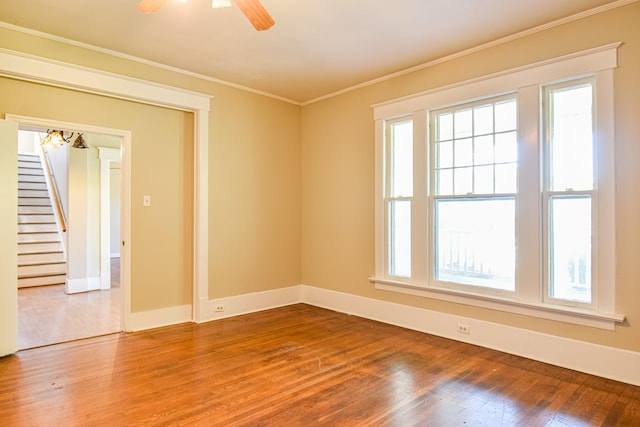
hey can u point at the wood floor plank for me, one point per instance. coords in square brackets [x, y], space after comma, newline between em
[298, 366]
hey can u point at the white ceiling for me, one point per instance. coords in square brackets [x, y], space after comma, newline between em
[317, 47]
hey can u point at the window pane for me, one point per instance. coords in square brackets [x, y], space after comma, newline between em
[506, 116]
[445, 154]
[483, 150]
[400, 238]
[445, 181]
[462, 123]
[462, 181]
[476, 249]
[506, 147]
[445, 127]
[483, 180]
[483, 120]
[571, 131]
[506, 178]
[463, 152]
[570, 248]
[401, 159]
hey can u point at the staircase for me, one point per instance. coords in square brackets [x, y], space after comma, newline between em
[41, 259]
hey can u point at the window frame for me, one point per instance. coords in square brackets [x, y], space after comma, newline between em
[548, 193]
[389, 197]
[527, 81]
[434, 196]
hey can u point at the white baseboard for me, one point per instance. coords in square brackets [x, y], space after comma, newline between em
[85, 284]
[105, 280]
[250, 303]
[608, 362]
[157, 318]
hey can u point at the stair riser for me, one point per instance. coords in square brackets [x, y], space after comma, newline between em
[27, 248]
[34, 219]
[37, 228]
[33, 201]
[28, 157]
[38, 237]
[35, 210]
[41, 257]
[25, 164]
[41, 281]
[30, 172]
[26, 185]
[30, 178]
[41, 269]
[32, 193]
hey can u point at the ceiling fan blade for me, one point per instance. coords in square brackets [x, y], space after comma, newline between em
[256, 14]
[150, 6]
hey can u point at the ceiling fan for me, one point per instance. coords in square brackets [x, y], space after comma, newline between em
[252, 9]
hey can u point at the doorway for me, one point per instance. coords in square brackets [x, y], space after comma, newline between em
[88, 302]
[15, 65]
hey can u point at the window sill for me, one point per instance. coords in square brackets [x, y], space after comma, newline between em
[566, 314]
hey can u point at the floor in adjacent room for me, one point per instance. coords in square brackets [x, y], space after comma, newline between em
[46, 315]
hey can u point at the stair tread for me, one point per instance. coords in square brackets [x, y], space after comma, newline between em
[35, 222]
[31, 263]
[31, 275]
[41, 252]
[37, 232]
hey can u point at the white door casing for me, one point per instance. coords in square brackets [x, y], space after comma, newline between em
[45, 71]
[8, 237]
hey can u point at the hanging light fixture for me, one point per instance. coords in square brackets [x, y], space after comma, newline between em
[80, 142]
[216, 4]
[54, 138]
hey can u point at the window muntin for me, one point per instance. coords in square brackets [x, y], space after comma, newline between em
[569, 191]
[476, 149]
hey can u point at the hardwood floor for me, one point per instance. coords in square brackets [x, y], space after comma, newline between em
[298, 366]
[46, 315]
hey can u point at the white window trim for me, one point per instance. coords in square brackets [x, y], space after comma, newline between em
[598, 61]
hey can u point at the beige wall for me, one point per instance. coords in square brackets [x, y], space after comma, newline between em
[254, 198]
[338, 172]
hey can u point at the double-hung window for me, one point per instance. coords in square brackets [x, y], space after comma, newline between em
[499, 192]
[474, 175]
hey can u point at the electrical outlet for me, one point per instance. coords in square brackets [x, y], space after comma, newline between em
[464, 329]
[219, 308]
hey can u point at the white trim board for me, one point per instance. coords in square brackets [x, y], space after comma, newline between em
[84, 284]
[253, 302]
[151, 319]
[608, 362]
